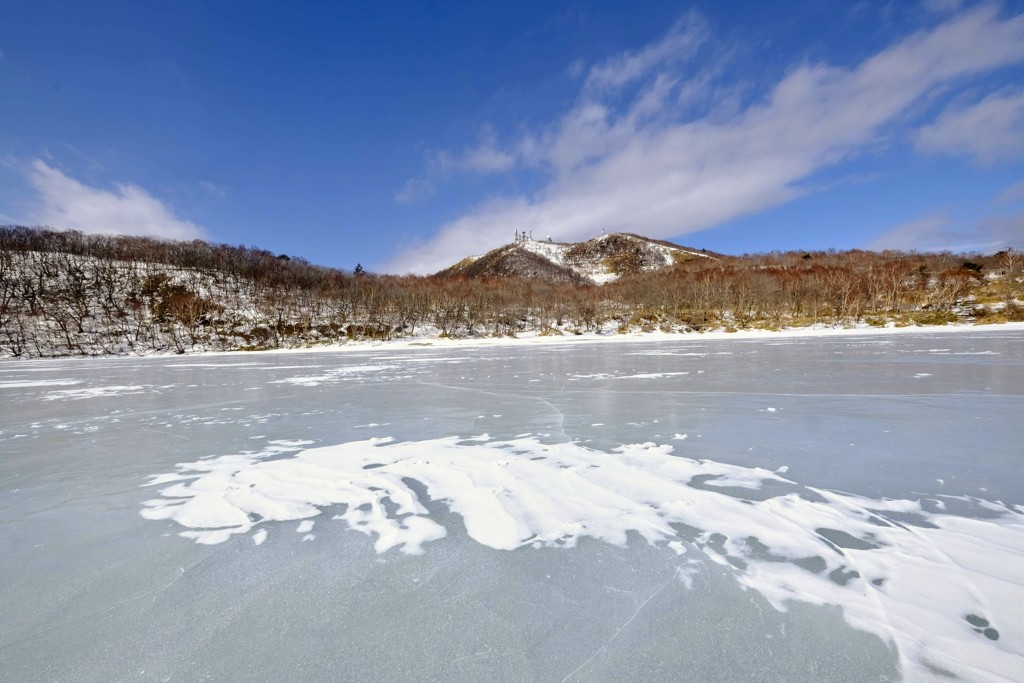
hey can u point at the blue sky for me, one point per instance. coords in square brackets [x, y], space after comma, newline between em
[405, 136]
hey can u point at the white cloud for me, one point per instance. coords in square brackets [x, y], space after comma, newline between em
[1011, 194]
[999, 232]
[940, 233]
[942, 6]
[414, 190]
[66, 203]
[486, 156]
[682, 41]
[991, 130]
[213, 188]
[913, 234]
[642, 166]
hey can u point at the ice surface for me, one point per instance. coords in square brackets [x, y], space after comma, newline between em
[909, 584]
[596, 511]
[15, 384]
[92, 392]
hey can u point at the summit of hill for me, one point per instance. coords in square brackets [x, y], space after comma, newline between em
[597, 261]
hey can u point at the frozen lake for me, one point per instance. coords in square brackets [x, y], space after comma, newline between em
[792, 509]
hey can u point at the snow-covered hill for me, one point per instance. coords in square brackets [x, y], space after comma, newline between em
[66, 294]
[597, 261]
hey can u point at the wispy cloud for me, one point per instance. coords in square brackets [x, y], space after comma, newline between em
[942, 6]
[989, 131]
[1011, 194]
[484, 157]
[642, 162]
[920, 233]
[213, 188]
[940, 233]
[66, 203]
[414, 190]
[681, 42]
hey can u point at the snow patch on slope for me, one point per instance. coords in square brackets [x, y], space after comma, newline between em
[552, 251]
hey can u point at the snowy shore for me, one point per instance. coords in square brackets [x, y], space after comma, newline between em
[534, 339]
[608, 336]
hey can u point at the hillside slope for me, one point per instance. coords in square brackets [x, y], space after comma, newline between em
[598, 261]
[68, 294]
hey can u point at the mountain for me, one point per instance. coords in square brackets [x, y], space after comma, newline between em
[597, 261]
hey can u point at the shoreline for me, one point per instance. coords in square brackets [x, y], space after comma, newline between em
[435, 343]
[647, 337]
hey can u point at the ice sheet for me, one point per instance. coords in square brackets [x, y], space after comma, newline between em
[22, 384]
[93, 392]
[741, 519]
[922, 586]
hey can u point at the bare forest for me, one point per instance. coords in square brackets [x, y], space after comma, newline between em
[66, 294]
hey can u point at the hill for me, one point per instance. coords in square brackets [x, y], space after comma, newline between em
[598, 261]
[69, 294]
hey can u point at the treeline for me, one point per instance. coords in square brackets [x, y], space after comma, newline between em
[257, 265]
[66, 293]
[804, 288]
